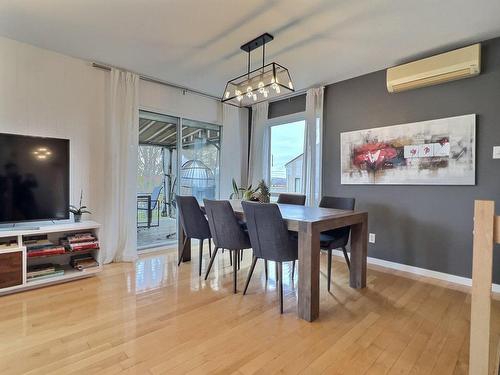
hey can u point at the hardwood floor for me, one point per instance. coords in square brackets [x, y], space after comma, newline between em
[155, 318]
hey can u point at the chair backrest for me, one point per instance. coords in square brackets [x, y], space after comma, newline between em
[155, 195]
[192, 219]
[297, 199]
[224, 226]
[268, 232]
[339, 203]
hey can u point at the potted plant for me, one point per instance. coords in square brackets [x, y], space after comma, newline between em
[80, 210]
[260, 194]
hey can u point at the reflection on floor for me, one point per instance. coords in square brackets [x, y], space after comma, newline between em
[163, 234]
[153, 317]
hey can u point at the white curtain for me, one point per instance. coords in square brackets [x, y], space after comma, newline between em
[314, 139]
[119, 232]
[234, 149]
[258, 166]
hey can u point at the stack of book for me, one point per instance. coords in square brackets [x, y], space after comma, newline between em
[37, 246]
[80, 242]
[83, 261]
[43, 271]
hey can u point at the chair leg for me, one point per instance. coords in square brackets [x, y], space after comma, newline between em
[279, 267]
[346, 256]
[241, 255]
[265, 269]
[239, 258]
[210, 247]
[211, 262]
[250, 272]
[235, 270]
[329, 271]
[293, 270]
[201, 257]
[182, 254]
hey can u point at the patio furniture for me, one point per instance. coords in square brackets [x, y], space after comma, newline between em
[148, 202]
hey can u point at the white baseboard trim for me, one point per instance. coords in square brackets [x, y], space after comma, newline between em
[421, 271]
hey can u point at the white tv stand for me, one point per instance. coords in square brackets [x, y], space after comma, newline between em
[14, 260]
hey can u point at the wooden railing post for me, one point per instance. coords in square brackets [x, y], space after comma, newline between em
[482, 263]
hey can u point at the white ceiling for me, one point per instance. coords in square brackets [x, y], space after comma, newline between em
[195, 43]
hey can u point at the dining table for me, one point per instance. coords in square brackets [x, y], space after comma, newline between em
[309, 222]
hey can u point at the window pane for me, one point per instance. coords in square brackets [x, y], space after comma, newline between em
[287, 154]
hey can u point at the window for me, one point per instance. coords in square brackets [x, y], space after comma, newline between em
[287, 154]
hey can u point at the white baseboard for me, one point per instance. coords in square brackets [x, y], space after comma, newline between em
[422, 272]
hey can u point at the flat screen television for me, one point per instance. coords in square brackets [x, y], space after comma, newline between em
[34, 178]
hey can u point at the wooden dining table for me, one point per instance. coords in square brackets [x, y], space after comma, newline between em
[309, 222]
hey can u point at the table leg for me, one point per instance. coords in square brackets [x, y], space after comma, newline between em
[359, 243]
[308, 284]
[181, 236]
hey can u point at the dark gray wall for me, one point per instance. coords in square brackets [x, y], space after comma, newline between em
[422, 226]
[287, 106]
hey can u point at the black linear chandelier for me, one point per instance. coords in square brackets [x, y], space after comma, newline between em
[264, 83]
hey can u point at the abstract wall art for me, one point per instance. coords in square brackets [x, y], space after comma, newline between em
[435, 152]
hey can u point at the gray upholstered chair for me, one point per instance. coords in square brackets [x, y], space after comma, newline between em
[194, 223]
[336, 238]
[270, 239]
[227, 234]
[297, 199]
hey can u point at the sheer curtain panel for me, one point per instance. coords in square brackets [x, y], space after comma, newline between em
[258, 166]
[119, 232]
[314, 139]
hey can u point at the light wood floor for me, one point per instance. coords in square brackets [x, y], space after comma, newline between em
[155, 318]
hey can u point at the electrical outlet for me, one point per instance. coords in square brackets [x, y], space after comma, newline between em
[496, 152]
[371, 238]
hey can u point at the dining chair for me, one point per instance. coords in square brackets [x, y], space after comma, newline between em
[336, 238]
[227, 234]
[194, 223]
[296, 199]
[270, 239]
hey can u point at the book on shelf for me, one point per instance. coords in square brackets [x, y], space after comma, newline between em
[44, 270]
[37, 246]
[53, 250]
[80, 241]
[83, 261]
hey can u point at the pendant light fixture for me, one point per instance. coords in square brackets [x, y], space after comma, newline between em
[264, 83]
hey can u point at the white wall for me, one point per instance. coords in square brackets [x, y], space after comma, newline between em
[44, 93]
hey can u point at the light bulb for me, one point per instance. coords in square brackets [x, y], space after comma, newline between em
[239, 98]
[254, 97]
[261, 87]
[227, 94]
[275, 86]
[237, 92]
[266, 93]
[290, 85]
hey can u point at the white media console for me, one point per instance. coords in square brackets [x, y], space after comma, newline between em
[14, 260]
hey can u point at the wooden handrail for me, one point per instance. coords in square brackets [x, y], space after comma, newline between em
[482, 358]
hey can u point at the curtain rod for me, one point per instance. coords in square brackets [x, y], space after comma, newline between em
[156, 80]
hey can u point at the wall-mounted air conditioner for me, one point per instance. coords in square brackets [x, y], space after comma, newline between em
[449, 66]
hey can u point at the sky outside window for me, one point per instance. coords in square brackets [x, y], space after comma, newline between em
[287, 142]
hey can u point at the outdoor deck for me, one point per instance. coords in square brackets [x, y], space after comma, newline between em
[164, 234]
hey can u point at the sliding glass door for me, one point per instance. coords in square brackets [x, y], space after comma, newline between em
[156, 180]
[200, 159]
[162, 172]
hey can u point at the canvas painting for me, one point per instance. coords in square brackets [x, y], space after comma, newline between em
[435, 152]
